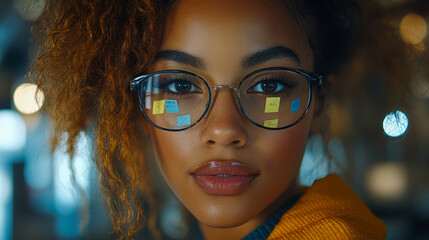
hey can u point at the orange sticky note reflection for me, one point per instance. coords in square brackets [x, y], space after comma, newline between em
[158, 107]
[271, 123]
[272, 104]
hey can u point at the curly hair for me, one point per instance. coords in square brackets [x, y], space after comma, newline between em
[89, 49]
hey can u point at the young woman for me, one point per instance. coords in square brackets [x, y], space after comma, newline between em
[228, 91]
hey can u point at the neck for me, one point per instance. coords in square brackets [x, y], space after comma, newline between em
[238, 232]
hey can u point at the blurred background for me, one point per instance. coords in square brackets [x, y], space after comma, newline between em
[381, 150]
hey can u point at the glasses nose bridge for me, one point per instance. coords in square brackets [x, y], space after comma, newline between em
[214, 95]
[223, 86]
[214, 88]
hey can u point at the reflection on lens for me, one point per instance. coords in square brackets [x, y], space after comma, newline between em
[274, 98]
[175, 100]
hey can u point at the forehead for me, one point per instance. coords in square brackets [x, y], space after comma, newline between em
[216, 29]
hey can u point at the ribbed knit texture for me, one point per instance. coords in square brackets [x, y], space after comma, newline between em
[265, 229]
[329, 209]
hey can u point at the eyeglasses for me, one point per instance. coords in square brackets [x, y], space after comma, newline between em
[271, 98]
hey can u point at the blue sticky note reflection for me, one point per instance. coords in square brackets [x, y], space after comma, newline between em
[184, 120]
[295, 105]
[171, 106]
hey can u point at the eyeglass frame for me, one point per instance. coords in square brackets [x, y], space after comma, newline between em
[313, 80]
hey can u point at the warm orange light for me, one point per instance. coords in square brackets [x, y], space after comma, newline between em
[387, 181]
[413, 28]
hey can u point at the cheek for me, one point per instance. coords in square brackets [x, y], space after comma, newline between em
[282, 153]
[290, 141]
[165, 147]
[173, 152]
[289, 145]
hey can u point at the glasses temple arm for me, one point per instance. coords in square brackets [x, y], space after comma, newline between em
[135, 82]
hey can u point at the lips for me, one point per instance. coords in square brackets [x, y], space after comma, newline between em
[224, 177]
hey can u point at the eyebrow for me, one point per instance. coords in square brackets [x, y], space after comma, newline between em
[269, 54]
[180, 57]
[249, 61]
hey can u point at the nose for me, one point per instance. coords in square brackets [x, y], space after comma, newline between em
[224, 126]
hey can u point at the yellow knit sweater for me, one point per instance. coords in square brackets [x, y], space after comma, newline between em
[329, 209]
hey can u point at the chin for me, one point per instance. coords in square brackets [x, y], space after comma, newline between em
[222, 216]
[222, 222]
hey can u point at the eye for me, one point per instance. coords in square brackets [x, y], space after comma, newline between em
[267, 86]
[181, 86]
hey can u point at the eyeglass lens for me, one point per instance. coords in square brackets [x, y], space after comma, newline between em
[270, 99]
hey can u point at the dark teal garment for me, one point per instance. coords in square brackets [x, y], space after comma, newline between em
[264, 230]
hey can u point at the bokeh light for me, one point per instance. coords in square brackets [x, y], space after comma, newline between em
[395, 124]
[13, 134]
[29, 9]
[37, 173]
[27, 99]
[66, 196]
[316, 165]
[173, 222]
[5, 203]
[387, 181]
[413, 28]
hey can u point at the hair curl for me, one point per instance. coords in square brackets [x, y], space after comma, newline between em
[89, 49]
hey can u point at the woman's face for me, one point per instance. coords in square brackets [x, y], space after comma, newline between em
[221, 34]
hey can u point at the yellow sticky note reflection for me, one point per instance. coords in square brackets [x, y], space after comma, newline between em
[271, 123]
[272, 104]
[158, 107]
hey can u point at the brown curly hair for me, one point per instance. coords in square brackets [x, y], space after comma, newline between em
[87, 50]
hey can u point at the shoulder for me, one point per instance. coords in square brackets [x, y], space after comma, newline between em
[329, 209]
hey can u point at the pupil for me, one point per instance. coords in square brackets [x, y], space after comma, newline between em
[183, 86]
[269, 86]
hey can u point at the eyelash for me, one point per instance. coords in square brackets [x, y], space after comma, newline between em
[166, 82]
[277, 79]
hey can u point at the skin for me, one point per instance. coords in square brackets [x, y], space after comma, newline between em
[222, 33]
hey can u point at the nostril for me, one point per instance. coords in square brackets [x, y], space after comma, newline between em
[211, 142]
[236, 142]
